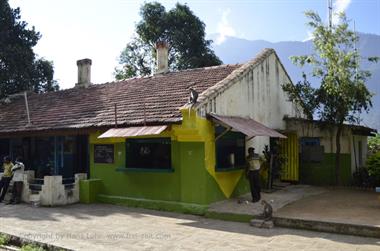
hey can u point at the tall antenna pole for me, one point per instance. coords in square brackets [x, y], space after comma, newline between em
[356, 61]
[330, 12]
[356, 53]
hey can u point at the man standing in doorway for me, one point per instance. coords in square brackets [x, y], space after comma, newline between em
[253, 173]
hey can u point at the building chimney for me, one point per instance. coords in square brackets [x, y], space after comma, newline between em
[84, 73]
[162, 50]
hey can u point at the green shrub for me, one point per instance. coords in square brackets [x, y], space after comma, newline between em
[4, 239]
[373, 166]
[31, 247]
[374, 144]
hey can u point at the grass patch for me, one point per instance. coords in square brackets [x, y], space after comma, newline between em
[229, 216]
[32, 247]
[171, 206]
[4, 239]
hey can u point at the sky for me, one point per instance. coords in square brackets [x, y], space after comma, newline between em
[99, 29]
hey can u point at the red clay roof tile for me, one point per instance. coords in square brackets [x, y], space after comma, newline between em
[91, 107]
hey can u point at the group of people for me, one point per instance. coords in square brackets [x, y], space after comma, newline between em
[12, 172]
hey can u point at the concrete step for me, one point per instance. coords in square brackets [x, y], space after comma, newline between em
[35, 187]
[68, 180]
[280, 184]
[261, 223]
[331, 227]
[37, 181]
[69, 186]
[35, 199]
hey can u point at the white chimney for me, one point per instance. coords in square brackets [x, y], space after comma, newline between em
[162, 50]
[84, 73]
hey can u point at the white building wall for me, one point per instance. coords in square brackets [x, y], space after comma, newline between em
[257, 94]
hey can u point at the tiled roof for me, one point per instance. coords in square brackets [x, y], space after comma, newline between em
[90, 107]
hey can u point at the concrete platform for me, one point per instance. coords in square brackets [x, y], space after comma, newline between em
[338, 210]
[280, 198]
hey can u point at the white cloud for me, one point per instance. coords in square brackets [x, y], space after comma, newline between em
[224, 28]
[310, 36]
[338, 7]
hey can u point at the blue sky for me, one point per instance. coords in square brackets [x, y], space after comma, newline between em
[99, 29]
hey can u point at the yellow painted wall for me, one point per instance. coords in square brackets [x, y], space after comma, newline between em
[195, 128]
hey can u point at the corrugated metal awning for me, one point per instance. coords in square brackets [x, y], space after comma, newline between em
[247, 126]
[133, 131]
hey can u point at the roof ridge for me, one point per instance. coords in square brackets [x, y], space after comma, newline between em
[205, 68]
[99, 85]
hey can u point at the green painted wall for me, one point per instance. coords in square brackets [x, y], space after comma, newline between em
[213, 190]
[189, 182]
[242, 187]
[143, 185]
[193, 178]
[324, 173]
[197, 185]
[88, 189]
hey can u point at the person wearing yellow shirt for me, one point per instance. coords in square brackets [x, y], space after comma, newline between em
[6, 178]
[253, 164]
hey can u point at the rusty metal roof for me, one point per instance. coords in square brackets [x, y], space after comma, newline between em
[247, 126]
[133, 131]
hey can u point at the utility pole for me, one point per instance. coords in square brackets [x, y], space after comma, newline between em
[356, 53]
[330, 7]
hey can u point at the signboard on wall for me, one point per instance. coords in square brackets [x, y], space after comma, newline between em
[104, 154]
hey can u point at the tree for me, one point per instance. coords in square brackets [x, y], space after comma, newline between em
[184, 32]
[374, 144]
[342, 94]
[20, 70]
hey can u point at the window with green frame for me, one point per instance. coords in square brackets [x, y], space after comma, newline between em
[230, 150]
[148, 153]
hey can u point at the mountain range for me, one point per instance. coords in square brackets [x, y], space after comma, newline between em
[237, 50]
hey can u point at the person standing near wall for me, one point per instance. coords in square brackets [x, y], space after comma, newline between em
[18, 179]
[7, 176]
[253, 164]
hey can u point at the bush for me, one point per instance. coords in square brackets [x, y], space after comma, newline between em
[374, 144]
[4, 239]
[373, 166]
[31, 247]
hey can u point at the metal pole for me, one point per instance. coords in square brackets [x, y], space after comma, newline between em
[330, 13]
[27, 107]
